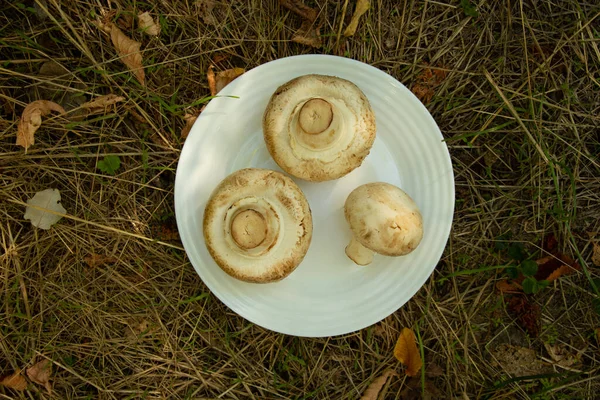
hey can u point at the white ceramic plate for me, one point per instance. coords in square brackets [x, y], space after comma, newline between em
[327, 294]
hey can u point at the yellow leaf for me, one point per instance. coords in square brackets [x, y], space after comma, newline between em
[407, 353]
[31, 119]
[40, 373]
[127, 49]
[361, 7]
[212, 84]
[224, 78]
[147, 24]
[15, 381]
[375, 387]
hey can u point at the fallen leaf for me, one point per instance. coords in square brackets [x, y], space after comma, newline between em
[40, 373]
[372, 392]
[15, 381]
[526, 313]
[423, 93]
[426, 83]
[361, 7]
[561, 355]
[224, 78]
[308, 35]
[553, 267]
[134, 329]
[596, 255]
[598, 335]
[189, 123]
[433, 370]
[165, 231]
[407, 353]
[127, 49]
[212, 84]
[31, 120]
[219, 58]
[504, 286]
[52, 68]
[298, 7]
[147, 24]
[125, 20]
[518, 361]
[205, 11]
[414, 391]
[94, 260]
[48, 199]
[101, 103]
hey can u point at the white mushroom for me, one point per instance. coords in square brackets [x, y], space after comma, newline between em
[383, 219]
[257, 225]
[319, 127]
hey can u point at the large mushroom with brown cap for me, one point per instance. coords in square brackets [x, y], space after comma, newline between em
[257, 225]
[384, 219]
[319, 127]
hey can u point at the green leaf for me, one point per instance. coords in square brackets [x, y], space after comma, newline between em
[516, 251]
[529, 267]
[512, 272]
[543, 284]
[596, 305]
[468, 8]
[530, 285]
[110, 164]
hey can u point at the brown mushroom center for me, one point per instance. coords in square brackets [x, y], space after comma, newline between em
[249, 229]
[315, 116]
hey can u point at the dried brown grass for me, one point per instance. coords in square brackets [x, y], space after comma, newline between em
[519, 109]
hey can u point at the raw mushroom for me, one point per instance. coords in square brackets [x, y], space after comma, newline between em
[383, 219]
[319, 127]
[257, 225]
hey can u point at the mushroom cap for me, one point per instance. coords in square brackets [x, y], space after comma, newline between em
[384, 218]
[257, 225]
[319, 127]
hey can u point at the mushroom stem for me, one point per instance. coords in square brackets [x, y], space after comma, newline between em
[359, 253]
[315, 116]
[249, 229]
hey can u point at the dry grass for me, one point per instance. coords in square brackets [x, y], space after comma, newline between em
[521, 113]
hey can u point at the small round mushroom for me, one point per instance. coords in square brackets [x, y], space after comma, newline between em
[383, 219]
[257, 225]
[319, 127]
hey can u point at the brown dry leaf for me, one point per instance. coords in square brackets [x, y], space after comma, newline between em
[561, 355]
[598, 335]
[127, 49]
[519, 361]
[212, 84]
[407, 353]
[298, 7]
[372, 392]
[553, 267]
[189, 122]
[147, 24]
[100, 104]
[224, 78]
[308, 35]
[423, 93]
[15, 381]
[504, 286]
[596, 255]
[205, 11]
[94, 260]
[526, 313]
[31, 120]
[361, 7]
[40, 373]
